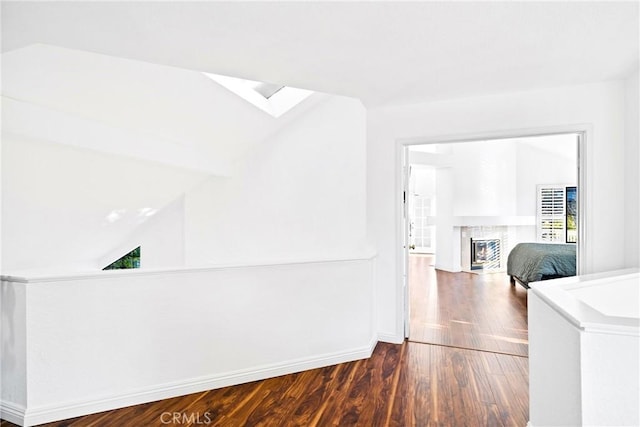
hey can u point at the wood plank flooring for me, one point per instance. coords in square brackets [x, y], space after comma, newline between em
[445, 383]
[482, 312]
[411, 384]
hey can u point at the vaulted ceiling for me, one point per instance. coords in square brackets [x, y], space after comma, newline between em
[132, 108]
[126, 78]
[381, 52]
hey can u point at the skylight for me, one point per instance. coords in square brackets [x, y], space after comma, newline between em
[266, 89]
[271, 98]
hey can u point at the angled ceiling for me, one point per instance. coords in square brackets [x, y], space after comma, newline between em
[132, 108]
[381, 52]
[64, 207]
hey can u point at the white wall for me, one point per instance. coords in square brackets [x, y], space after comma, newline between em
[447, 240]
[160, 237]
[422, 181]
[610, 379]
[584, 347]
[599, 106]
[632, 171]
[13, 346]
[484, 179]
[299, 195]
[1, 297]
[119, 338]
[482, 183]
[555, 392]
[542, 160]
[65, 208]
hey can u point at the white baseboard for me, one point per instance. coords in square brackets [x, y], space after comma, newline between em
[448, 268]
[11, 412]
[391, 338]
[39, 415]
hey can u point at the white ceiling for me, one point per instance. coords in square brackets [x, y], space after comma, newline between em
[380, 52]
[133, 108]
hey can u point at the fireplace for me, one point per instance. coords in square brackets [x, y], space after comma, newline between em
[484, 249]
[485, 254]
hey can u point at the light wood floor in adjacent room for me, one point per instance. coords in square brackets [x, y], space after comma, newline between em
[412, 384]
[475, 311]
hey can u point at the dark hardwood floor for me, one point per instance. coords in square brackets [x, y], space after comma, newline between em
[447, 383]
[475, 311]
[412, 384]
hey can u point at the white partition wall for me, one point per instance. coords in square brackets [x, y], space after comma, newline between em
[584, 347]
[113, 339]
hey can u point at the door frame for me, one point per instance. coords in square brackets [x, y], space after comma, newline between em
[584, 257]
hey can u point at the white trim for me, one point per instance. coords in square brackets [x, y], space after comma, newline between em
[584, 258]
[401, 251]
[390, 338]
[106, 274]
[12, 412]
[33, 416]
[406, 241]
[582, 316]
[498, 134]
[374, 299]
[583, 130]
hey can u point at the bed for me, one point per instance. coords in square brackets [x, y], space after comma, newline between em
[532, 262]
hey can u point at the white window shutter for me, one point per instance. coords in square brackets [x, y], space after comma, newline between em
[551, 216]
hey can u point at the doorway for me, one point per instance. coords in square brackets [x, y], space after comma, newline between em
[485, 193]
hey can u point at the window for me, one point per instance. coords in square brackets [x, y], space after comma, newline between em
[266, 89]
[572, 214]
[557, 214]
[273, 99]
[422, 230]
[130, 260]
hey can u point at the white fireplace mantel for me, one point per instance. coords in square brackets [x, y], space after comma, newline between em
[454, 241]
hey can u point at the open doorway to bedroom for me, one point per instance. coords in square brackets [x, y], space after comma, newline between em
[469, 205]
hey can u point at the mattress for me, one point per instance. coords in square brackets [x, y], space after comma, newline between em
[532, 262]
